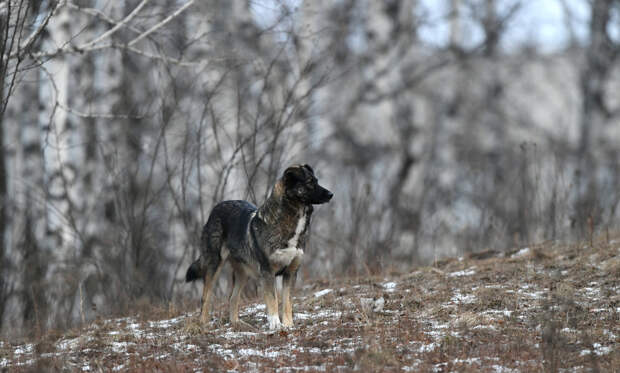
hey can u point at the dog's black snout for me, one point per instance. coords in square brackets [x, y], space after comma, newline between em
[329, 195]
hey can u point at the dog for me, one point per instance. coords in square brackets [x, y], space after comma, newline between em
[260, 243]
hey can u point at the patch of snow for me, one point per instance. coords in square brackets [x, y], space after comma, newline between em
[118, 368]
[253, 352]
[503, 369]
[323, 314]
[485, 327]
[68, 344]
[436, 325]
[255, 308]
[123, 319]
[531, 294]
[378, 305]
[506, 313]
[180, 346]
[600, 349]
[389, 286]
[310, 368]
[465, 272]
[428, 348]
[301, 316]
[23, 349]
[233, 335]
[322, 293]
[592, 292]
[27, 362]
[4, 363]
[596, 310]
[218, 349]
[413, 368]
[523, 252]
[165, 323]
[610, 334]
[119, 347]
[462, 299]
[471, 360]
[86, 368]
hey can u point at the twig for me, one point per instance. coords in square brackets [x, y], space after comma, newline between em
[82, 305]
[116, 27]
[35, 34]
[161, 24]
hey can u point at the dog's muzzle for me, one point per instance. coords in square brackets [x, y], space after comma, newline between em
[324, 197]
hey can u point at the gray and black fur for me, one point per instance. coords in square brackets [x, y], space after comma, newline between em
[260, 243]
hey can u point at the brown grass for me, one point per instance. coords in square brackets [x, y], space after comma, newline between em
[554, 308]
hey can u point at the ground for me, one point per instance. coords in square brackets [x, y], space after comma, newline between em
[548, 307]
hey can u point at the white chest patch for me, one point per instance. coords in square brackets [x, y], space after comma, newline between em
[301, 225]
[284, 257]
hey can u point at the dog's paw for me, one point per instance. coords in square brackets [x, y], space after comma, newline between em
[288, 324]
[273, 322]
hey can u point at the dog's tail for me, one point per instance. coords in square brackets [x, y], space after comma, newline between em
[195, 271]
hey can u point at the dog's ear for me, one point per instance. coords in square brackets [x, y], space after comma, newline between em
[307, 167]
[293, 174]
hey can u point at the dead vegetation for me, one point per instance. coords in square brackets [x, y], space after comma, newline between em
[546, 308]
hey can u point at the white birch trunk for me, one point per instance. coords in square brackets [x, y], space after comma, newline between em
[60, 152]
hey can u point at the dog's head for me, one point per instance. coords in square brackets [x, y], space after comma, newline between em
[301, 185]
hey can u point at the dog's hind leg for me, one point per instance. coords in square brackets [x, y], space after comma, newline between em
[215, 261]
[207, 291]
[240, 278]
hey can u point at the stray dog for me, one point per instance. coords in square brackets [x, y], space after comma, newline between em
[261, 243]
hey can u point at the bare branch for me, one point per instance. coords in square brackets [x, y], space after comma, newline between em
[120, 24]
[162, 23]
[23, 49]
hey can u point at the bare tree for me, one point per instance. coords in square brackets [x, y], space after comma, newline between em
[600, 55]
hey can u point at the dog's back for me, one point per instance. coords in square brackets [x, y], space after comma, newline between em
[227, 227]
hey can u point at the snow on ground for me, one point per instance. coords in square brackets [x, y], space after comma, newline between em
[466, 272]
[322, 292]
[389, 286]
[469, 315]
[522, 252]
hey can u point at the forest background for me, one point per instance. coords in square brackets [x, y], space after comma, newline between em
[443, 127]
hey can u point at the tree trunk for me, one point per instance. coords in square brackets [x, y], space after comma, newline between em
[599, 61]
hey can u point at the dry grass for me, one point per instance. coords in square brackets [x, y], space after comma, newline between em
[551, 308]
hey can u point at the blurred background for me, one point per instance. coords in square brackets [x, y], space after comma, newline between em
[443, 127]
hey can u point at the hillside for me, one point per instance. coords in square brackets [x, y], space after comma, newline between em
[550, 307]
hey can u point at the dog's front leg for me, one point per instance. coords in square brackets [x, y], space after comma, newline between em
[288, 284]
[271, 301]
[287, 308]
